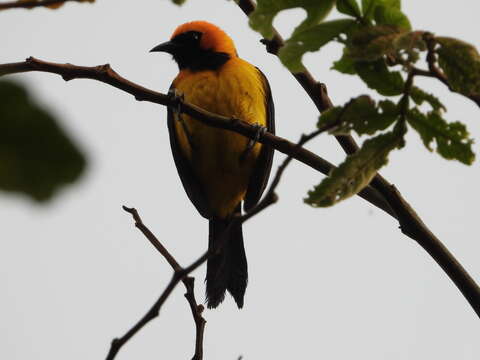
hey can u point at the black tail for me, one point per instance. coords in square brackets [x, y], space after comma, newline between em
[228, 269]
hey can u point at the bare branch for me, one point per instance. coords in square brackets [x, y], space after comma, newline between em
[32, 4]
[106, 74]
[179, 274]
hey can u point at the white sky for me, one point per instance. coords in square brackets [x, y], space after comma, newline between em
[336, 283]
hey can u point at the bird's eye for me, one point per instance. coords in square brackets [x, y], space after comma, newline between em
[196, 35]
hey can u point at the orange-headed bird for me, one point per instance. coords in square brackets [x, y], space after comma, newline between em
[219, 169]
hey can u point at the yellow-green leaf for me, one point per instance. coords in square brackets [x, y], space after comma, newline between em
[452, 139]
[349, 7]
[378, 77]
[262, 18]
[460, 62]
[311, 39]
[356, 171]
[361, 115]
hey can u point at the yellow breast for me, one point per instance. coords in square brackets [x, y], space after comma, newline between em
[235, 90]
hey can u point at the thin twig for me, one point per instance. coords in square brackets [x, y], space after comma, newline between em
[32, 4]
[188, 281]
[181, 273]
[106, 74]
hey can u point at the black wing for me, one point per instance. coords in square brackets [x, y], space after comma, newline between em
[190, 183]
[261, 172]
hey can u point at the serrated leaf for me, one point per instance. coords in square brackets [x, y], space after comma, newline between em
[356, 171]
[36, 157]
[460, 62]
[372, 42]
[377, 76]
[452, 139]
[261, 19]
[349, 7]
[361, 115]
[419, 97]
[389, 15]
[345, 64]
[311, 40]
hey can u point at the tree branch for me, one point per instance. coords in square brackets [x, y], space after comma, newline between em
[179, 274]
[106, 74]
[410, 223]
[375, 193]
[33, 4]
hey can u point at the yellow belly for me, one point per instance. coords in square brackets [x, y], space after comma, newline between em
[236, 90]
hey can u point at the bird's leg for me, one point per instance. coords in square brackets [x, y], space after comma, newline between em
[178, 97]
[260, 130]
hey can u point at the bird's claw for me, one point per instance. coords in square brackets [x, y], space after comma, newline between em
[260, 130]
[178, 98]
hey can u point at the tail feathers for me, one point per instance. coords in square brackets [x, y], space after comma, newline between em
[227, 270]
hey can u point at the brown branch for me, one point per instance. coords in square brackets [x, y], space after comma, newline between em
[32, 4]
[106, 74]
[315, 90]
[375, 194]
[179, 274]
[410, 223]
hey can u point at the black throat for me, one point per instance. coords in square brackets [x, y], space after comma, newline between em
[197, 59]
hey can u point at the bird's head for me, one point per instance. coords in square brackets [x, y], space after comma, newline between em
[199, 45]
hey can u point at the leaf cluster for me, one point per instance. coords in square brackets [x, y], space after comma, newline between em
[381, 49]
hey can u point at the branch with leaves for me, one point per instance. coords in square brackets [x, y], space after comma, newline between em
[376, 36]
[106, 74]
[370, 156]
[380, 48]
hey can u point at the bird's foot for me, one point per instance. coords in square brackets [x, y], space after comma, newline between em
[178, 98]
[260, 130]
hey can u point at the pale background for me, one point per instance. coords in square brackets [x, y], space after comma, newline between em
[337, 283]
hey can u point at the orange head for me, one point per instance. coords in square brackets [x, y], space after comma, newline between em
[199, 45]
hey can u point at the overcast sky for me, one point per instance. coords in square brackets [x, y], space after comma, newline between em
[335, 283]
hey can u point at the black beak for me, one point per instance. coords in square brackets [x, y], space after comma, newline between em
[168, 47]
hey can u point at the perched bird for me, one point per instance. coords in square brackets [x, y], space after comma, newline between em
[219, 169]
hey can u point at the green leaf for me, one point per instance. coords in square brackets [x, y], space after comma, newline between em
[262, 18]
[361, 115]
[389, 15]
[419, 97]
[356, 171]
[179, 2]
[452, 139]
[349, 7]
[377, 76]
[345, 64]
[372, 42]
[460, 62]
[369, 6]
[311, 40]
[36, 157]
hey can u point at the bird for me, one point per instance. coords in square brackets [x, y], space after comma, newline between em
[220, 170]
